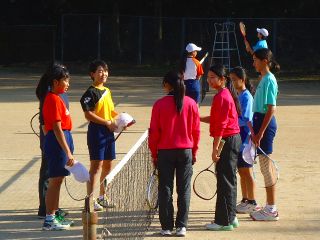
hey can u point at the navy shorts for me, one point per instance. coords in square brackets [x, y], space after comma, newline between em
[244, 133]
[55, 155]
[101, 142]
[266, 143]
[193, 89]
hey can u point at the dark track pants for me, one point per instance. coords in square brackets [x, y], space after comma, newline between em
[173, 161]
[227, 181]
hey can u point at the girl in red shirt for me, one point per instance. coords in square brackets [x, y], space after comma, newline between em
[58, 144]
[173, 140]
[224, 125]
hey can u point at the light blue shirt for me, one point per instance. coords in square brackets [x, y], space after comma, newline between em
[266, 93]
[246, 101]
[260, 44]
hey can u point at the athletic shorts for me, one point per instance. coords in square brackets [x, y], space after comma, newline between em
[266, 143]
[101, 142]
[244, 133]
[193, 89]
[55, 155]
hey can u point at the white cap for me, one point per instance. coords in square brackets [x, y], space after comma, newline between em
[249, 152]
[79, 172]
[192, 47]
[123, 120]
[263, 31]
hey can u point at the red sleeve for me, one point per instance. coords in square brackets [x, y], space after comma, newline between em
[154, 132]
[195, 130]
[200, 71]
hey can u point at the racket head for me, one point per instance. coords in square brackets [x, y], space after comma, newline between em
[265, 162]
[152, 190]
[242, 29]
[35, 125]
[205, 184]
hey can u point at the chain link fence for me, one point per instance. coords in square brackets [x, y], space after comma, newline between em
[148, 40]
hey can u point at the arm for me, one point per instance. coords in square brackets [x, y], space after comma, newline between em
[216, 142]
[62, 142]
[205, 119]
[267, 118]
[195, 133]
[154, 134]
[248, 47]
[91, 116]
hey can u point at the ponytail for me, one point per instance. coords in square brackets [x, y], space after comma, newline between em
[264, 53]
[54, 72]
[221, 71]
[175, 80]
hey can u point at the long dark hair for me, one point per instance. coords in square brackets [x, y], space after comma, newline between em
[174, 79]
[265, 53]
[183, 62]
[55, 71]
[241, 73]
[221, 71]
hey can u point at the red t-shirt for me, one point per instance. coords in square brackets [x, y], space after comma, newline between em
[223, 116]
[54, 110]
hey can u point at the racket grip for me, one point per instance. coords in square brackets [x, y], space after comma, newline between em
[221, 144]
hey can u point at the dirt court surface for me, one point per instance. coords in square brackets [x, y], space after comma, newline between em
[296, 151]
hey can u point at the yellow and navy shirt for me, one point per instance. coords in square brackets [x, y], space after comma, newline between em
[99, 101]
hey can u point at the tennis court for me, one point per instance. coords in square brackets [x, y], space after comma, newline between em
[296, 150]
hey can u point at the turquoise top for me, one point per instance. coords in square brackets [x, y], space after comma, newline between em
[266, 93]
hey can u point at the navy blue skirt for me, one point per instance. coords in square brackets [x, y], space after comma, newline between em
[266, 143]
[193, 89]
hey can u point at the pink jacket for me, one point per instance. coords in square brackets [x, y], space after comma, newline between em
[223, 116]
[171, 130]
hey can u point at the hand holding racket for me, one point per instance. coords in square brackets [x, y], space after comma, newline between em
[152, 190]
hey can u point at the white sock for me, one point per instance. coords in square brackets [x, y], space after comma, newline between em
[271, 208]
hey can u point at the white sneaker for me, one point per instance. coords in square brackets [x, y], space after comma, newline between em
[165, 232]
[247, 208]
[97, 207]
[264, 215]
[181, 231]
[54, 224]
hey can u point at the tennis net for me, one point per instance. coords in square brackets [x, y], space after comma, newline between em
[126, 188]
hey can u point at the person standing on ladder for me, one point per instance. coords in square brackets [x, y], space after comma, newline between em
[192, 71]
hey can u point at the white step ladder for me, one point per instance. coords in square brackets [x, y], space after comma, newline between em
[225, 47]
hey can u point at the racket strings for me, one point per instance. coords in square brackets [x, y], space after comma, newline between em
[204, 184]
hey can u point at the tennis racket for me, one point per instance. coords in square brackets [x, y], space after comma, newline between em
[152, 190]
[35, 125]
[205, 182]
[204, 83]
[243, 30]
[270, 164]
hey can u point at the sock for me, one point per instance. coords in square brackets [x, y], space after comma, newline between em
[253, 202]
[271, 208]
[49, 217]
[244, 200]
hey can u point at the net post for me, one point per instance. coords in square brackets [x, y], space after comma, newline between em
[89, 220]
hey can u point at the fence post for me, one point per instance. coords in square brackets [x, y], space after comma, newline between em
[99, 37]
[62, 30]
[183, 33]
[274, 39]
[140, 41]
